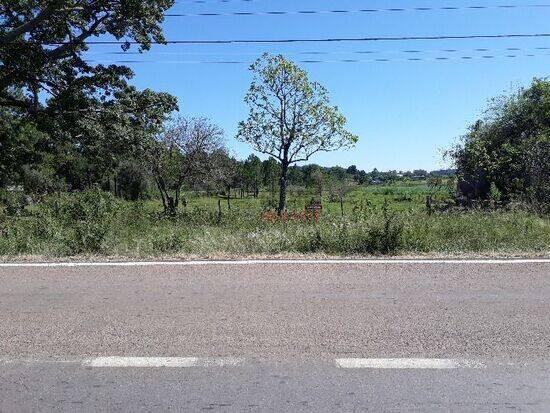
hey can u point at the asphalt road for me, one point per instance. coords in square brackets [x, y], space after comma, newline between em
[276, 337]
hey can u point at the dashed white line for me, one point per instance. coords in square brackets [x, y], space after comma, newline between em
[160, 362]
[277, 262]
[406, 363]
[182, 362]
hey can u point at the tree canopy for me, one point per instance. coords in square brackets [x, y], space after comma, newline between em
[188, 149]
[290, 117]
[509, 148]
[86, 116]
[54, 33]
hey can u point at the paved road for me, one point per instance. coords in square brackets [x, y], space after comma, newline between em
[276, 337]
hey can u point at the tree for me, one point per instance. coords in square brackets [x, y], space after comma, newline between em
[89, 117]
[508, 149]
[183, 153]
[290, 117]
[252, 170]
[54, 33]
[18, 145]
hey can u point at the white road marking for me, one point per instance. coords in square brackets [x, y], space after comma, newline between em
[406, 363]
[160, 362]
[277, 262]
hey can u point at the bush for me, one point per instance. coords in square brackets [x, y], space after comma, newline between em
[87, 216]
[131, 181]
[41, 180]
[13, 201]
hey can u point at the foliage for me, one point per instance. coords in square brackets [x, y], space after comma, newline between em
[95, 222]
[87, 217]
[290, 117]
[19, 140]
[131, 180]
[60, 109]
[13, 201]
[509, 149]
[186, 151]
[54, 33]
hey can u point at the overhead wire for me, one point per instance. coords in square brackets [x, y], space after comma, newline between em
[350, 11]
[316, 61]
[323, 40]
[318, 52]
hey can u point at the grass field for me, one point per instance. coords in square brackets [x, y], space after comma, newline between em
[377, 220]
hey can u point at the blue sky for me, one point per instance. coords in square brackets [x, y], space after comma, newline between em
[405, 112]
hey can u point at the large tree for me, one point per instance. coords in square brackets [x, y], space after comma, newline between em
[42, 44]
[90, 115]
[186, 152]
[509, 149]
[290, 117]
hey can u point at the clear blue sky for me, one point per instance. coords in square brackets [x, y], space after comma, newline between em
[404, 112]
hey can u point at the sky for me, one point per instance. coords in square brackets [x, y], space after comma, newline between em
[406, 113]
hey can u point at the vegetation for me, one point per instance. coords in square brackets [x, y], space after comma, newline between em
[91, 165]
[388, 219]
[290, 117]
[506, 156]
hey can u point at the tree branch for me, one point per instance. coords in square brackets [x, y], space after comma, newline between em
[31, 24]
[68, 47]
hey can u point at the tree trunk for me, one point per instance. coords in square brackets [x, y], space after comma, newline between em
[168, 202]
[172, 206]
[282, 188]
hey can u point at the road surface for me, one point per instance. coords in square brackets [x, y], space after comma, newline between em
[258, 336]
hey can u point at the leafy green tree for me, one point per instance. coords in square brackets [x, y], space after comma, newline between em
[19, 145]
[89, 116]
[509, 148]
[252, 171]
[115, 131]
[54, 33]
[290, 117]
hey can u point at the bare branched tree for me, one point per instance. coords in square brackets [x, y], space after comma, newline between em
[183, 153]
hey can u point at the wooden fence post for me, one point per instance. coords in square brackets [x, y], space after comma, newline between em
[429, 204]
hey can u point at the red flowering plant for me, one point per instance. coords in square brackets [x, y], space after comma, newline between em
[302, 216]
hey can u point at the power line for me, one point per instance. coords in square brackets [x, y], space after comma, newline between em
[213, 1]
[347, 11]
[323, 53]
[325, 40]
[317, 61]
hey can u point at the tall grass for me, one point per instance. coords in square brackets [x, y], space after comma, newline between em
[94, 222]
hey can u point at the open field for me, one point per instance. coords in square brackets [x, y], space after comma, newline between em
[377, 220]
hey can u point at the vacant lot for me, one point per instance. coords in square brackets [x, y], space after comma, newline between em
[376, 220]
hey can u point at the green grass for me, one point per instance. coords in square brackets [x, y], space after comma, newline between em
[381, 220]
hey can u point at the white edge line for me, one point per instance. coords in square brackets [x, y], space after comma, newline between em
[160, 362]
[406, 363]
[276, 262]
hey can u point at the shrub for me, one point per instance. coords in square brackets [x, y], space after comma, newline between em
[14, 201]
[88, 217]
[41, 179]
[383, 235]
[131, 181]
